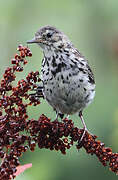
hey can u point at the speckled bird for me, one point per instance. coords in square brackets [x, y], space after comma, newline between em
[68, 81]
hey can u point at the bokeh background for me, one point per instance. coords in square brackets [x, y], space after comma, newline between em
[93, 28]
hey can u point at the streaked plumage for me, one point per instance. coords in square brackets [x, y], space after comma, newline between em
[68, 81]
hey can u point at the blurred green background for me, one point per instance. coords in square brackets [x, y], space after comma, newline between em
[92, 25]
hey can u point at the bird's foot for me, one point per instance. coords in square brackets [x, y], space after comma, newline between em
[85, 130]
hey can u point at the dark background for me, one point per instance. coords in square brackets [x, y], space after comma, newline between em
[93, 28]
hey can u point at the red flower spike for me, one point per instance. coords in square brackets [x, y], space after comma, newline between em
[52, 135]
[29, 54]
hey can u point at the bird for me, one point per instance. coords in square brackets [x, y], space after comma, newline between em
[68, 81]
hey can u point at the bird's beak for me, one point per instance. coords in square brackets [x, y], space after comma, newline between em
[34, 40]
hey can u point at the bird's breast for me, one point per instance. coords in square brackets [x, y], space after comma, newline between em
[67, 86]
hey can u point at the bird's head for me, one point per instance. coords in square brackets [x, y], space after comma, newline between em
[49, 37]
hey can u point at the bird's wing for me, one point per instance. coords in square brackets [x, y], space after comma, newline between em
[87, 68]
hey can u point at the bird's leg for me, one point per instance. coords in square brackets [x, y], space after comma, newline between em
[57, 115]
[68, 116]
[85, 128]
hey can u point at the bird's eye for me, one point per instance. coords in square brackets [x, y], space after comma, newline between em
[49, 35]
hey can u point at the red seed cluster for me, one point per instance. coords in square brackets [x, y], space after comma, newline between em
[18, 132]
[61, 136]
